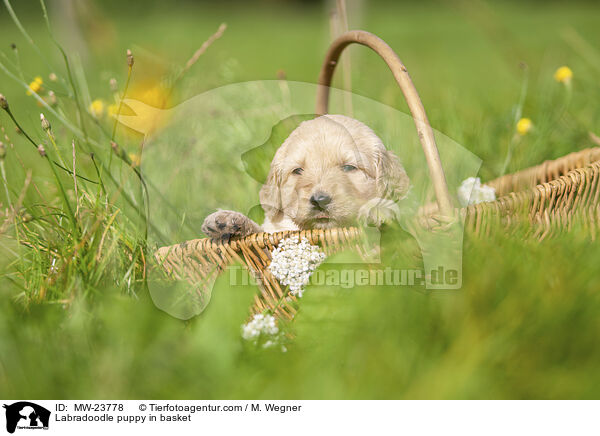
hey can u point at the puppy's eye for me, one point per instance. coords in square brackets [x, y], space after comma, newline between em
[348, 168]
[298, 171]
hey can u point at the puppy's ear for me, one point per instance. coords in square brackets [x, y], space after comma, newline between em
[270, 194]
[391, 178]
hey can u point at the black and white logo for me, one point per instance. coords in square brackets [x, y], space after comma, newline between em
[26, 415]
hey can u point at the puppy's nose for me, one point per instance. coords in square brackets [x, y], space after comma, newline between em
[320, 200]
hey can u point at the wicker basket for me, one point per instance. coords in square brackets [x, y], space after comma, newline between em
[546, 198]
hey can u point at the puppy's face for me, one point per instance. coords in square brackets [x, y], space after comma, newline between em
[326, 170]
[325, 180]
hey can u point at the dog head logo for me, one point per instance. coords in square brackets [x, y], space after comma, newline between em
[26, 415]
[234, 147]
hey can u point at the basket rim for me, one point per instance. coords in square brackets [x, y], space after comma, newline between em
[265, 239]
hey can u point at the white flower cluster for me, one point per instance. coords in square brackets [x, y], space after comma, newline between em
[471, 191]
[260, 324]
[293, 261]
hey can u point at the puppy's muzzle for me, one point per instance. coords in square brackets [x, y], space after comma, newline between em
[320, 200]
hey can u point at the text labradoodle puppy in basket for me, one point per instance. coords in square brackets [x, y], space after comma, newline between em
[331, 171]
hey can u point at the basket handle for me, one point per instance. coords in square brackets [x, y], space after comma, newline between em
[415, 105]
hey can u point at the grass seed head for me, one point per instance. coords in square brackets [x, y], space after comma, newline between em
[51, 98]
[3, 102]
[2, 150]
[129, 58]
[42, 150]
[45, 123]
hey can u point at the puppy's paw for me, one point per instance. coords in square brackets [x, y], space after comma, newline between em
[377, 211]
[227, 224]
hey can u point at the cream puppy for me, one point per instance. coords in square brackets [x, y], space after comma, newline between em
[331, 171]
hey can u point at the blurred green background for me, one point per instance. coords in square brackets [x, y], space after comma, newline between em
[524, 325]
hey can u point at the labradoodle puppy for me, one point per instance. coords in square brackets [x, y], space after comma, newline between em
[331, 171]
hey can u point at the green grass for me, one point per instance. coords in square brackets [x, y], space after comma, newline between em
[77, 320]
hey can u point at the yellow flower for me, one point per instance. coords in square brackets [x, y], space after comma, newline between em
[135, 159]
[35, 86]
[113, 110]
[97, 108]
[563, 75]
[524, 126]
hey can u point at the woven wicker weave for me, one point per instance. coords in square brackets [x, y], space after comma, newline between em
[199, 261]
[546, 198]
[549, 170]
[570, 194]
